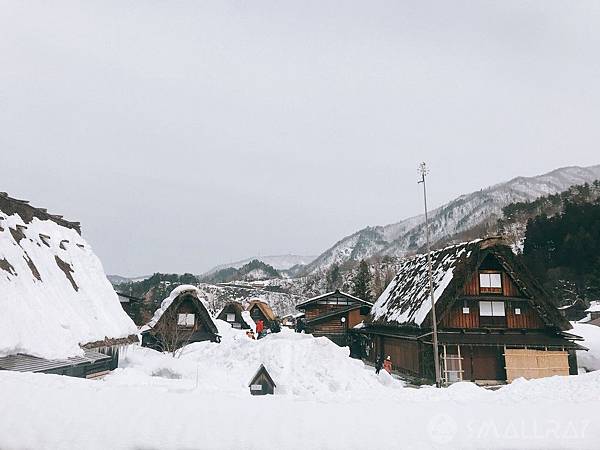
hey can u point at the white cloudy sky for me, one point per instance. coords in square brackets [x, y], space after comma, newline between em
[188, 133]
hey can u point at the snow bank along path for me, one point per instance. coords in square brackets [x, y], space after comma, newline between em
[325, 400]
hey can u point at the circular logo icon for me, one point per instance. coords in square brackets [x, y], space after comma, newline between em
[442, 428]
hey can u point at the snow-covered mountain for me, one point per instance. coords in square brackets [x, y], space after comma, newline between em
[279, 262]
[458, 216]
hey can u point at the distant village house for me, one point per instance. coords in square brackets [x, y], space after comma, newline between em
[333, 314]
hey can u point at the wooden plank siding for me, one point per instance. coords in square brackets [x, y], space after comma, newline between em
[318, 310]
[509, 288]
[456, 318]
[404, 354]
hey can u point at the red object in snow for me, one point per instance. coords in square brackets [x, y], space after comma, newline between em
[260, 326]
[387, 365]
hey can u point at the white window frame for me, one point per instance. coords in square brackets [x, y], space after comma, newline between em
[489, 308]
[186, 319]
[490, 280]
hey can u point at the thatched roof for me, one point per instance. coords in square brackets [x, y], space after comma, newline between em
[175, 298]
[264, 307]
[406, 300]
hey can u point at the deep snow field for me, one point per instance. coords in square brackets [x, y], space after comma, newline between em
[324, 400]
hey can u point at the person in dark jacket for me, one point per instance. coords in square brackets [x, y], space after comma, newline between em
[378, 364]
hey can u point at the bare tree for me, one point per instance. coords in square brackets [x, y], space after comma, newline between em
[172, 336]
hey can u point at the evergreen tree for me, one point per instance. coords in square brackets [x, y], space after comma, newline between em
[334, 277]
[362, 282]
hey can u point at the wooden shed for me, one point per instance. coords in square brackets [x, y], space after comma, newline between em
[333, 314]
[182, 319]
[495, 321]
[262, 383]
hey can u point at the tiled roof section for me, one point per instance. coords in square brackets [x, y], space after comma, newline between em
[406, 299]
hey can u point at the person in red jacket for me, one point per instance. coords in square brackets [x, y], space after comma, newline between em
[387, 364]
[260, 326]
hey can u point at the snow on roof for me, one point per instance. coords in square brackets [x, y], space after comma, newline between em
[594, 306]
[55, 295]
[164, 305]
[329, 294]
[406, 299]
[248, 320]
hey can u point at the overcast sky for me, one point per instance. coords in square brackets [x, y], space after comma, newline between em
[183, 134]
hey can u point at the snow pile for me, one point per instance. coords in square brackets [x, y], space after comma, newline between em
[54, 293]
[588, 360]
[249, 321]
[166, 412]
[299, 364]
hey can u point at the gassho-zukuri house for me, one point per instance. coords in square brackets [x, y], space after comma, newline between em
[59, 313]
[495, 321]
[182, 319]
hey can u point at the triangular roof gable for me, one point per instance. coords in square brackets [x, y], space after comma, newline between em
[264, 307]
[231, 307]
[203, 313]
[406, 300]
[262, 370]
[332, 294]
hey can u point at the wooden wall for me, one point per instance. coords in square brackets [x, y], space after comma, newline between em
[509, 288]
[404, 354]
[316, 310]
[528, 318]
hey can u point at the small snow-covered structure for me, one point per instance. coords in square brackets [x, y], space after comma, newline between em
[58, 310]
[262, 383]
[234, 314]
[182, 318]
[333, 314]
[495, 321]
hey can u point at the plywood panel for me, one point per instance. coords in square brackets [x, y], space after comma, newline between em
[529, 363]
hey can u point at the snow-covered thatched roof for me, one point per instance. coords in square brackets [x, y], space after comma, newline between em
[179, 293]
[54, 295]
[406, 300]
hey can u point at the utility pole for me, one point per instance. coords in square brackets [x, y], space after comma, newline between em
[423, 171]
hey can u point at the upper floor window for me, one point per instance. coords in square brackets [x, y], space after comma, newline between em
[186, 320]
[490, 282]
[230, 317]
[492, 314]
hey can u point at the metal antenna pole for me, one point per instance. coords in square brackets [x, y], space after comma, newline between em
[423, 171]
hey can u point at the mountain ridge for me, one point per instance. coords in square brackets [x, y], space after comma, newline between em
[464, 213]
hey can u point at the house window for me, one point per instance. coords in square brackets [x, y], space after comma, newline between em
[492, 313]
[230, 317]
[490, 282]
[517, 311]
[186, 320]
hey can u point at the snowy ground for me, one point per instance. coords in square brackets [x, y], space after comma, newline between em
[323, 400]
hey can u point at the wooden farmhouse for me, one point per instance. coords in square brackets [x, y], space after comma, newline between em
[333, 314]
[234, 314]
[181, 319]
[260, 310]
[262, 383]
[59, 313]
[495, 322]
